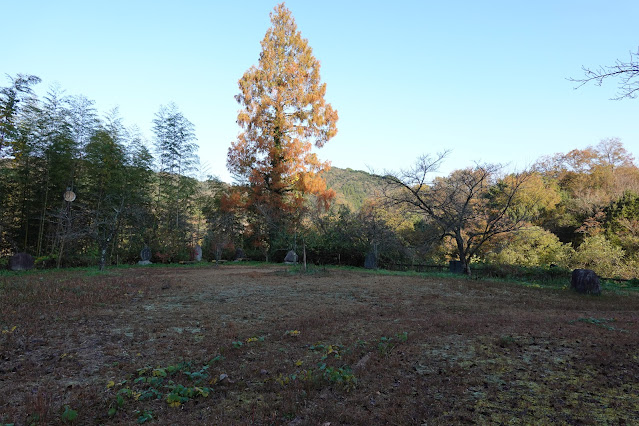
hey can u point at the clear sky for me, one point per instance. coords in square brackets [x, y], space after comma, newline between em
[486, 79]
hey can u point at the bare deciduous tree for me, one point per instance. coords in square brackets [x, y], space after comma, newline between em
[470, 206]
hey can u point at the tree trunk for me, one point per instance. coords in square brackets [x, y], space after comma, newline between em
[304, 257]
[59, 262]
[24, 216]
[43, 215]
[462, 252]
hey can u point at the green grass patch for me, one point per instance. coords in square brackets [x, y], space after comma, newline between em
[600, 322]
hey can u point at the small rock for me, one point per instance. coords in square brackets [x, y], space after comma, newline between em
[224, 379]
[362, 362]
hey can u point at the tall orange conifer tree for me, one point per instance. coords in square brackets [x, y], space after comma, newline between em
[283, 114]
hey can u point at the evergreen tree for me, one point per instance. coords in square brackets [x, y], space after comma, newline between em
[138, 224]
[11, 100]
[54, 151]
[17, 125]
[177, 161]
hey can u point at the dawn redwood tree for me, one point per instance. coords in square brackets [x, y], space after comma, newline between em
[283, 115]
[471, 206]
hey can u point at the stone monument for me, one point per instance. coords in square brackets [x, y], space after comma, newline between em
[370, 261]
[291, 258]
[21, 262]
[585, 281]
[145, 255]
[239, 254]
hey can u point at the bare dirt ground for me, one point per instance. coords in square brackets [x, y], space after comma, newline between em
[261, 345]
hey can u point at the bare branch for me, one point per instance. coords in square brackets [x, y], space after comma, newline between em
[471, 205]
[626, 72]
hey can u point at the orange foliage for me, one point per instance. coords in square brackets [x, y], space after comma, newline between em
[595, 175]
[283, 115]
[230, 200]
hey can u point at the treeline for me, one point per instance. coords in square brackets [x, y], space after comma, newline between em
[575, 209]
[595, 223]
[77, 188]
[581, 210]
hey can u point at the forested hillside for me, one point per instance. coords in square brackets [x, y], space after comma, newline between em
[353, 187]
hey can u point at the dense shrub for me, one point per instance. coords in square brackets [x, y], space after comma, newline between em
[532, 246]
[599, 254]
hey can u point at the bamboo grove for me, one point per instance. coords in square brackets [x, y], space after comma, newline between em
[123, 200]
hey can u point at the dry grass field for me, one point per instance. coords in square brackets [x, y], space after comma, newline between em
[264, 345]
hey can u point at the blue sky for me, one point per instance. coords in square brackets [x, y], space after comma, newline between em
[484, 79]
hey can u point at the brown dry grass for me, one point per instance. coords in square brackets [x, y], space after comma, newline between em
[476, 351]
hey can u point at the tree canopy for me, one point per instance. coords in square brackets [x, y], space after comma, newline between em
[11, 102]
[283, 115]
[471, 206]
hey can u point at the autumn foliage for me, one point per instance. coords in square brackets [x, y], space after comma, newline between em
[283, 115]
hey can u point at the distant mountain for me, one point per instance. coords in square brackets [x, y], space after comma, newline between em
[352, 187]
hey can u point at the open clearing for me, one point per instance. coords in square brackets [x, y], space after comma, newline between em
[261, 345]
